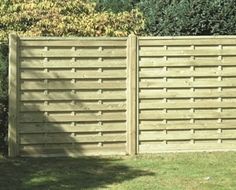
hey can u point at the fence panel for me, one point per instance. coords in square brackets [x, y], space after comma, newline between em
[72, 96]
[99, 96]
[187, 94]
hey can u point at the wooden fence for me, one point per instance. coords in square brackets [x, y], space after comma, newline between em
[96, 96]
[187, 94]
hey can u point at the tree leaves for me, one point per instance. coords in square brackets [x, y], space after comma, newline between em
[63, 18]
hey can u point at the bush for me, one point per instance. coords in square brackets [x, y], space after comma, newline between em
[3, 94]
[65, 18]
[186, 17]
[115, 6]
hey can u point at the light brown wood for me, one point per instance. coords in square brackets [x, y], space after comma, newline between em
[13, 148]
[106, 63]
[187, 91]
[183, 41]
[182, 53]
[27, 53]
[151, 115]
[183, 73]
[66, 128]
[57, 139]
[60, 85]
[72, 151]
[177, 95]
[210, 147]
[76, 96]
[76, 43]
[89, 117]
[185, 126]
[76, 107]
[150, 62]
[187, 83]
[73, 86]
[209, 104]
[31, 74]
[81, 95]
[132, 110]
[160, 136]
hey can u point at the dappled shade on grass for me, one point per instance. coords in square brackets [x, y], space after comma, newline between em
[65, 173]
[185, 171]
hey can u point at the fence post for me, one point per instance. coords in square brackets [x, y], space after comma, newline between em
[12, 92]
[132, 86]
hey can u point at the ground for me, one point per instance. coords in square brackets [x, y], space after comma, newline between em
[185, 171]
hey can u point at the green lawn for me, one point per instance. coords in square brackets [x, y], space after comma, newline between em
[186, 171]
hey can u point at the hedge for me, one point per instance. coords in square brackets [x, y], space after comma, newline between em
[3, 94]
[186, 17]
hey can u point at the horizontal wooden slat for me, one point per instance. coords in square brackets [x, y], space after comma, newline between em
[174, 41]
[177, 105]
[38, 96]
[154, 94]
[186, 84]
[183, 73]
[76, 107]
[187, 147]
[73, 43]
[31, 74]
[150, 62]
[31, 85]
[79, 53]
[158, 136]
[70, 118]
[73, 151]
[78, 64]
[54, 139]
[151, 115]
[153, 126]
[148, 53]
[65, 128]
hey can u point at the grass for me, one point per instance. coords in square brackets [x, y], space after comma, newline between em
[186, 171]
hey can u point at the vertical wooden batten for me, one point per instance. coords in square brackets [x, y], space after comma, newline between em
[13, 150]
[132, 87]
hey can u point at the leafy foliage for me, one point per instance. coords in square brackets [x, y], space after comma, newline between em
[186, 17]
[3, 93]
[115, 6]
[65, 18]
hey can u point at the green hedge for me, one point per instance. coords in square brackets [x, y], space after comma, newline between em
[115, 6]
[187, 17]
[3, 94]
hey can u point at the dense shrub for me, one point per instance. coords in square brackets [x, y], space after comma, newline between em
[115, 6]
[3, 94]
[186, 17]
[65, 18]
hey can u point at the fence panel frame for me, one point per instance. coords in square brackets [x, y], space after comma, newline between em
[132, 83]
[13, 92]
[132, 96]
[186, 41]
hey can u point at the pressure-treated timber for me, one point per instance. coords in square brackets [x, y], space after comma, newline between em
[13, 148]
[187, 91]
[100, 96]
[72, 95]
[132, 61]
